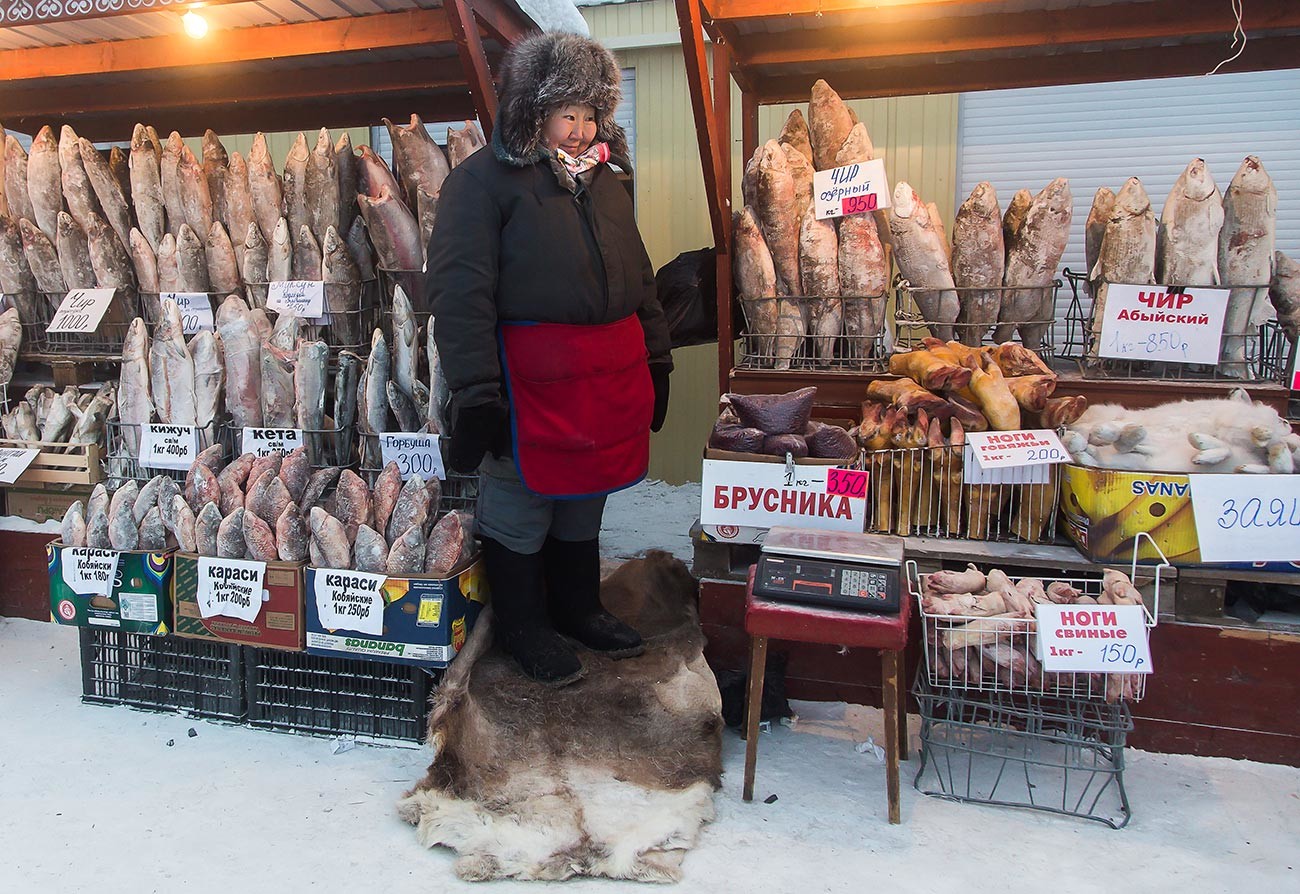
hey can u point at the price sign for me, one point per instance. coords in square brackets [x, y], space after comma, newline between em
[1159, 323]
[297, 298]
[1093, 639]
[1295, 368]
[350, 600]
[230, 587]
[847, 483]
[14, 461]
[89, 572]
[1247, 518]
[81, 310]
[761, 495]
[851, 189]
[1008, 449]
[195, 308]
[168, 446]
[414, 454]
[267, 441]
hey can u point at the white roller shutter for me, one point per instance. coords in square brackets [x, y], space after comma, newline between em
[1101, 134]
[625, 116]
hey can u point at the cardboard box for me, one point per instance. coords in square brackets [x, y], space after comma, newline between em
[139, 602]
[740, 534]
[40, 504]
[279, 624]
[1104, 510]
[734, 456]
[426, 618]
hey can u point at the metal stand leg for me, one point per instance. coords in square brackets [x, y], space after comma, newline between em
[902, 706]
[890, 677]
[754, 709]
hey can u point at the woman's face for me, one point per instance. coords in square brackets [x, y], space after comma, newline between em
[571, 128]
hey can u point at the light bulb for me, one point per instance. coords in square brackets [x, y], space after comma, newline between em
[195, 25]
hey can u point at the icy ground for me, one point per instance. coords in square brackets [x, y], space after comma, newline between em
[95, 799]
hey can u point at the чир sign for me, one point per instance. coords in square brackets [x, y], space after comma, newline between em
[1155, 323]
[761, 495]
[1093, 638]
[851, 189]
[81, 311]
[230, 587]
[195, 308]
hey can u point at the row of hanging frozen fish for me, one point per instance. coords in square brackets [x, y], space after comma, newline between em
[161, 220]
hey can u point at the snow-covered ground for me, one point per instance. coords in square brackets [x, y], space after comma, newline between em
[115, 800]
[652, 515]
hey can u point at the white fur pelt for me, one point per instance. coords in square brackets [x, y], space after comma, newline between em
[1233, 434]
[613, 776]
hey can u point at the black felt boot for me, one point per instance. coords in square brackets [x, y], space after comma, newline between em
[522, 625]
[573, 590]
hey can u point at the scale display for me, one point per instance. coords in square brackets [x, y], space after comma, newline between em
[829, 582]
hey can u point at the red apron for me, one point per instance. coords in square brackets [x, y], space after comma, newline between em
[581, 402]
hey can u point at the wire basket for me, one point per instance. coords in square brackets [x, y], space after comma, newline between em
[997, 653]
[921, 492]
[352, 313]
[1075, 341]
[327, 696]
[1039, 752]
[36, 312]
[413, 283]
[122, 459]
[911, 328]
[1258, 354]
[854, 340]
[161, 673]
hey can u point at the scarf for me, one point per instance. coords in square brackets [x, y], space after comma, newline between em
[595, 154]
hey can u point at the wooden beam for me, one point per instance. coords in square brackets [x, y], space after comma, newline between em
[505, 22]
[748, 126]
[1156, 20]
[469, 45]
[15, 15]
[722, 115]
[291, 115]
[742, 10]
[706, 127]
[1261, 54]
[232, 87]
[413, 27]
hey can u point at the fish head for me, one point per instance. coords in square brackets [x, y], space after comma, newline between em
[253, 238]
[983, 200]
[298, 151]
[280, 236]
[187, 240]
[68, 140]
[217, 234]
[44, 139]
[1251, 176]
[140, 138]
[258, 153]
[332, 243]
[138, 240]
[167, 246]
[1132, 200]
[344, 143]
[1056, 196]
[324, 144]
[29, 233]
[212, 148]
[1198, 184]
[238, 167]
[773, 159]
[906, 203]
[174, 147]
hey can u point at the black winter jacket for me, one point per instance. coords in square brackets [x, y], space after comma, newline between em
[512, 243]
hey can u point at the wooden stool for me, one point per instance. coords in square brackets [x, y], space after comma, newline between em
[766, 620]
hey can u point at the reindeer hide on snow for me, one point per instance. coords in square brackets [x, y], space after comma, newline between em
[611, 776]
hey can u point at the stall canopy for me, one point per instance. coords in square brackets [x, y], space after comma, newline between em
[264, 65]
[775, 49]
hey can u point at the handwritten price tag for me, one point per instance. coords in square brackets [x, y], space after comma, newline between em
[89, 572]
[195, 308]
[266, 441]
[14, 461]
[350, 600]
[1008, 449]
[168, 446]
[414, 455]
[1093, 639]
[847, 483]
[230, 587]
[297, 298]
[1159, 323]
[1247, 518]
[851, 189]
[81, 310]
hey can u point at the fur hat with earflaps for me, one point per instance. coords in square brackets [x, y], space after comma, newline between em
[544, 72]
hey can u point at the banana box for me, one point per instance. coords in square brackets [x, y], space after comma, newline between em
[128, 590]
[1103, 511]
[422, 619]
[278, 624]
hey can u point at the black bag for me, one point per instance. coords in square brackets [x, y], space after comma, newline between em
[688, 290]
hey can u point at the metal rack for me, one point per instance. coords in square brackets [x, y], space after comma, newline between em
[861, 343]
[122, 459]
[911, 327]
[343, 330]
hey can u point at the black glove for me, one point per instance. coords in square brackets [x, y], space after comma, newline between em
[476, 430]
[659, 378]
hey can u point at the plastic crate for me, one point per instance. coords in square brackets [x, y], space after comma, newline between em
[326, 696]
[162, 673]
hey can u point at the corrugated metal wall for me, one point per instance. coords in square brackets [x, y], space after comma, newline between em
[915, 135]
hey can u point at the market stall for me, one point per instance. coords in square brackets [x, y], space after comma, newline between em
[321, 395]
[908, 339]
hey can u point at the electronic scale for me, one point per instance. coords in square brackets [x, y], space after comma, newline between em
[860, 572]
